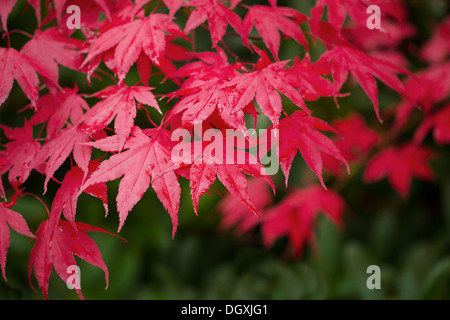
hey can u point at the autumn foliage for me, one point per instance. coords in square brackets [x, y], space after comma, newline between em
[222, 90]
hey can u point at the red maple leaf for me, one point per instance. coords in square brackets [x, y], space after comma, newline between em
[65, 200]
[265, 84]
[14, 65]
[71, 140]
[269, 21]
[173, 6]
[355, 140]
[365, 69]
[15, 221]
[294, 216]
[218, 16]
[147, 160]
[60, 6]
[438, 123]
[299, 132]
[205, 91]
[56, 109]
[57, 249]
[438, 47]
[18, 156]
[400, 165]
[428, 88]
[220, 159]
[338, 10]
[49, 48]
[119, 103]
[130, 39]
[6, 7]
[236, 214]
[203, 175]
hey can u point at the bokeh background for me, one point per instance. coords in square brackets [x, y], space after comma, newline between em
[408, 239]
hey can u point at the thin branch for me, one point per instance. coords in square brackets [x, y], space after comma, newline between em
[234, 34]
[231, 52]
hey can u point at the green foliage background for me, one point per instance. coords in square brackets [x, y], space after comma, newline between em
[409, 240]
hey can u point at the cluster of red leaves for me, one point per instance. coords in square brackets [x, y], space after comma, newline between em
[218, 89]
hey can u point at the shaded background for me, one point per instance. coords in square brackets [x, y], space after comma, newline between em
[409, 240]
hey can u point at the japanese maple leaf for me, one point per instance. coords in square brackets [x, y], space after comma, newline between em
[219, 159]
[438, 123]
[145, 162]
[202, 176]
[428, 88]
[294, 216]
[173, 53]
[441, 130]
[207, 97]
[49, 48]
[400, 165]
[14, 220]
[265, 85]
[309, 79]
[6, 7]
[375, 41]
[14, 65]
[92, 14]
[338, 10]
[218, 16]
[173, 6]
[71, 140]
[269, 21]
[131, 38]
[19, 154]
[438, 47]
[65, 200]
[236, 214]
[56, 109]
[355, 140]
[58, 250]
[61, 6]
[205, 90]
[365, 69]
[299, 132]
[119, 103]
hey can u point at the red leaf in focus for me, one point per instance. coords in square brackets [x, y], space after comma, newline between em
[218, 16]
[56, 109]
[5, 9]
[129, 39]
[58, 252]
[14, 65]
[298, 132]
[119, 103]
[49, 48]
[265, 85]
[364, 68]
[173, 6]
[269, 21]
[65, 200]
[69, 141]
[145, 161]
